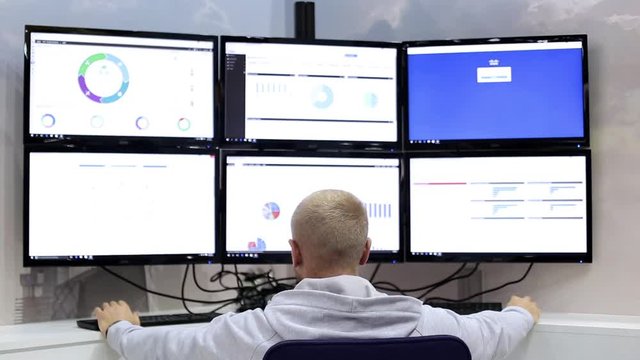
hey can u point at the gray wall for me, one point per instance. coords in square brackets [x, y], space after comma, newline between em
[607, 286]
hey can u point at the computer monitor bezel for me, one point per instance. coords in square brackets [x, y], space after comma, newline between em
[284, 257]
[506, 143]
[155, 259]
[150, 141]
[309, 144]
[586, 257]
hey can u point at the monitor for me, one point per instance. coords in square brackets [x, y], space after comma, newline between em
[106, 208]
[261, 192]
[310, 93]
[505, 92]
[500, 207]
[83, 84]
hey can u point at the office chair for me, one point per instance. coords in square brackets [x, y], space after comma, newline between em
[437, 347]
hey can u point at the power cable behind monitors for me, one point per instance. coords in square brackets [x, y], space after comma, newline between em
[526, 273]
[388, 286]
[260, 289]
[430, 287]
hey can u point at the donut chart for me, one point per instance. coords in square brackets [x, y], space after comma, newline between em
[270, 211]
[48, 120]
[184, 124]
[91, 61]
[142, 123]
[97, 121]
[370, 100]
[322, 97]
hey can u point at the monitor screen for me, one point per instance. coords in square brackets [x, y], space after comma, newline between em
[497, 90]
[500, 208]
[119, 208]
[107, 83]
[316, 91]
[262, 193]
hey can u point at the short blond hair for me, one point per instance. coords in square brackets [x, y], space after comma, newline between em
[333, 224]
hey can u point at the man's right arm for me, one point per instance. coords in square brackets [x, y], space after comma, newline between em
[488, 334]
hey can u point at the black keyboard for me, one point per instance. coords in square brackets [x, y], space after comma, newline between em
[157, 320]
[467, 308]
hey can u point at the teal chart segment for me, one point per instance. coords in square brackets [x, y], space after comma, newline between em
[322, 97]
[82, 73]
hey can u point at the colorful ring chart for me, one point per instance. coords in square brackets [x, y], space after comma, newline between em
[270, 211]
[142, 122]
[322, 97]
[48, 120]
[184, 124]
[82, 73]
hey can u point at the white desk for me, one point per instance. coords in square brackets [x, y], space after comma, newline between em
[52, 340]
[583, 337]
[556, 337]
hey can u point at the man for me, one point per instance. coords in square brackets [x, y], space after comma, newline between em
[329, 242]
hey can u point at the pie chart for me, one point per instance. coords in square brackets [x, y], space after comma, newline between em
[370, 100]
[270, 211]
[322, 97]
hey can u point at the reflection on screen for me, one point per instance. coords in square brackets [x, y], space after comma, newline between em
[263, 192]
[495, 91]
[517, 205]
[90, 204]
[310, 92]
[120, 86]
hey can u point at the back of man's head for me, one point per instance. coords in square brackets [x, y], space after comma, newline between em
[331, 229]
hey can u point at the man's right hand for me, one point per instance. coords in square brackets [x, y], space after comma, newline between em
[527, 304]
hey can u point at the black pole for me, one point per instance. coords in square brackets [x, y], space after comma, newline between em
[305, 22]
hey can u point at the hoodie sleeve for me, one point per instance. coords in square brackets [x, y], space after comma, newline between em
[229, 336]
[136, 343]
[488, 334]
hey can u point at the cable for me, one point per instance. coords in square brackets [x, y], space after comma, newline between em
[403, 291]
[485, 291]
[238, 280]
[223, 305]
[394, 287]
[195, 280]
[184, 282]
[450, 279]
[159, 293]
[375, 271]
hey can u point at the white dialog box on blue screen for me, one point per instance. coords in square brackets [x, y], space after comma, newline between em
[494, 74]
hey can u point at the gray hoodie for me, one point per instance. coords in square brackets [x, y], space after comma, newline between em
[338, 307]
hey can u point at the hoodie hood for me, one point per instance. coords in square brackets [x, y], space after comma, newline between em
[339, 307]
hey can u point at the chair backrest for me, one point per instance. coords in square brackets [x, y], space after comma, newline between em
[437, 347]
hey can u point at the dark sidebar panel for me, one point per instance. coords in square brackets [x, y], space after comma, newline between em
[234, 88]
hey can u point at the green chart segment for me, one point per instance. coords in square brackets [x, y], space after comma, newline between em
[82, 73]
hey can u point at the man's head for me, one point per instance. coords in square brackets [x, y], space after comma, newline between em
[329, 235]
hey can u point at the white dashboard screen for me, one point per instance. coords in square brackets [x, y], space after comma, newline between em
[310, 92]
[120, 86]
[522, 204]
[98, 204]
[263, 192]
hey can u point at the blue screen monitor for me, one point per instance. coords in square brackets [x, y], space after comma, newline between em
[498, 92]
[261, 191]
[480, 206]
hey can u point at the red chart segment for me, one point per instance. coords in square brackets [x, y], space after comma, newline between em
[270, 211]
